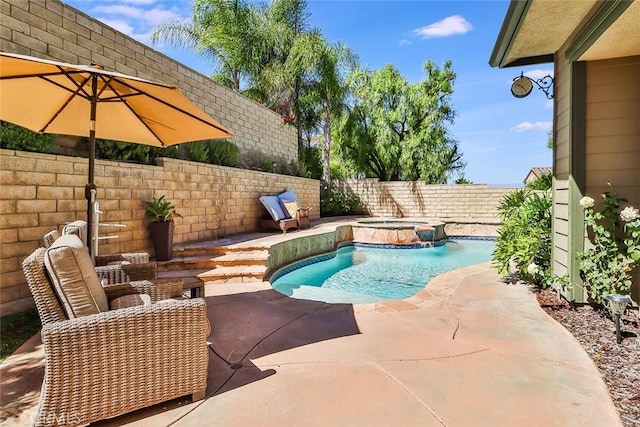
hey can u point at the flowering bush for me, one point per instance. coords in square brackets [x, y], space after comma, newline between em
[606, 266]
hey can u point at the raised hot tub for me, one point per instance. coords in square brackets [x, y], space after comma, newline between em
[398, 232]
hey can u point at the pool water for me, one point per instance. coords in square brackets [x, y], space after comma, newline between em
[360, 275]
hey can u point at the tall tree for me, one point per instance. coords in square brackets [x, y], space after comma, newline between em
[398, 131]
[325, 83]
[226, 32]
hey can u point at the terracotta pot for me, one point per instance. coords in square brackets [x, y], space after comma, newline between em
[162, 237]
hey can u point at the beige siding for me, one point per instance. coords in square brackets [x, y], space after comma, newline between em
[613, 127]
[562, 168]
[613, 132]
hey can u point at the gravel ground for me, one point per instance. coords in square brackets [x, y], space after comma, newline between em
[619, 364]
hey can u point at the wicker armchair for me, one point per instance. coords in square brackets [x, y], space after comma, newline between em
[119, 268]
[106, 364]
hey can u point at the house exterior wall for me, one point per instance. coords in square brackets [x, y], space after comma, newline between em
[52, 30]
[613, 127]
[563, 181]
[41, 192]
[596, 140]
[613, 132]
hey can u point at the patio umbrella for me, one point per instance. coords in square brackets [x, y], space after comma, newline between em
[54, 97]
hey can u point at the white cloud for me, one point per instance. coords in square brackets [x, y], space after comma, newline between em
[156, 16]
[121, 10]
[449, 26]
[150, 16]
[140, 2]
[119, 25]
[404, 42]
[528, 126]
[538, 74]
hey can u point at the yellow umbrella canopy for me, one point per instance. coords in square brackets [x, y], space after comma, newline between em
[54, 97]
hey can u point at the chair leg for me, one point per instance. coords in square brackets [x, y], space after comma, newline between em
[198, 395]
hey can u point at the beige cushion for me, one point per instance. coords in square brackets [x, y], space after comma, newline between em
[74, 278]
[79, 228]
[291, 207]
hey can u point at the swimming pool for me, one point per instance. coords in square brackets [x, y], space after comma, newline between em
[360, 275]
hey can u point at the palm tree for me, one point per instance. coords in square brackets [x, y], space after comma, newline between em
[226, 32]
[327, 84]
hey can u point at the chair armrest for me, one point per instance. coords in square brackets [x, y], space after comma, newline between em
[103, 260]
[106, 364]
[114, 272]
[157, 289]
[145, 271]
[136, 257]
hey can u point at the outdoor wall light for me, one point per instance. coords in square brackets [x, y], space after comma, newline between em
[617, 305]
[522, 85]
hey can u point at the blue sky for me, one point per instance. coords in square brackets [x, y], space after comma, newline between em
[501, 137]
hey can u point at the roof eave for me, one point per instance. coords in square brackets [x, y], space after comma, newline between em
[515, 15]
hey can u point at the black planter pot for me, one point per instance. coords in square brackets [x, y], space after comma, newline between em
[162, 237]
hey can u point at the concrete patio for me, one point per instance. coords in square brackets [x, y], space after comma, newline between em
[469, 350]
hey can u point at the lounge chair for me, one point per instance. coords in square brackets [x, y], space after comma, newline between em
[285, 212]
[111, 350]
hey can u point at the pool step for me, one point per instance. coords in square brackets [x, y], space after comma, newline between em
[234, 274]
[235, 258]
[216, 265]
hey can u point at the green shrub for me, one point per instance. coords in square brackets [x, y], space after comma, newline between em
[223, 153]
[543, 182]
[13, 137]
[524, 239]
[310, 163]
[124, 151]
[335, 203]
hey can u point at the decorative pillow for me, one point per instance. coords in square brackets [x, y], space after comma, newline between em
[74, 277]
[272, 205]
[288, 195]
[291, 207]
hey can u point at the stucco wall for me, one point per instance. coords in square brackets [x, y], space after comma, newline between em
[417, 199]
[50, 29]
[41, 192]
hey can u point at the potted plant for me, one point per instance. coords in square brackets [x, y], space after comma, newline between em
[162, 212]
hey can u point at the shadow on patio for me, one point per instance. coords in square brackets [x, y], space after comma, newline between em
[250, 325]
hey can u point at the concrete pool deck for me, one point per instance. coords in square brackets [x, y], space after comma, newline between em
[469, 350]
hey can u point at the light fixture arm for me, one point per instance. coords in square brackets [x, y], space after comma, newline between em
[544, 83]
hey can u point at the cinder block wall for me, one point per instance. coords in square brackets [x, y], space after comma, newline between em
[417, 199]
[41, 192]
[52, 30]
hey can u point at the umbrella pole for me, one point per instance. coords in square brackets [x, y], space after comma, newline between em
[90, 189]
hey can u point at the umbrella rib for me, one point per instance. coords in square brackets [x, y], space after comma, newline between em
[80, 89]
[122, 98]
